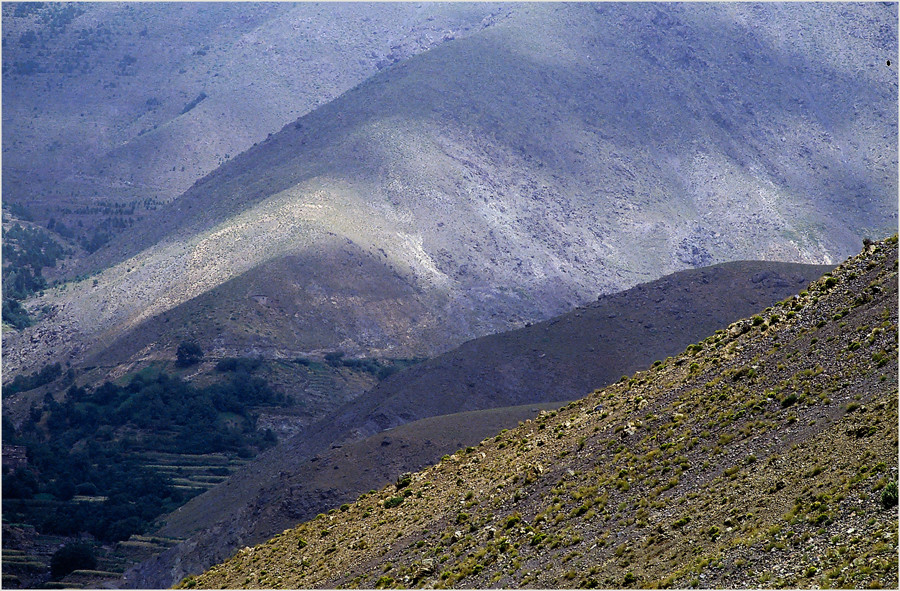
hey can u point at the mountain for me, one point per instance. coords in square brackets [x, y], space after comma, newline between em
[327, 480]
[551, 362]
[763, 456]
[133, 102]
[507, 176]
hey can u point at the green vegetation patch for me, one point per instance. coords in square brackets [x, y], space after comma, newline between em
[91, 445]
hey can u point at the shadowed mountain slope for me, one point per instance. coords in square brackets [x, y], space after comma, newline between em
[557, 360]
[565, 151]
[336, 476]
[765, 455]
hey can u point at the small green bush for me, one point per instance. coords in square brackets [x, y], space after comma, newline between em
[404, 480]
[889, 495]
[393, 502]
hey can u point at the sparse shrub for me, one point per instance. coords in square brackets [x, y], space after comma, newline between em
[393, 502]
[889, 495]
[744, 372]
[513, 520]
[345, 507]
[404, 480]
[788, 400]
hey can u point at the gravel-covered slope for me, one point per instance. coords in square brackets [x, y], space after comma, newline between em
[764, 455]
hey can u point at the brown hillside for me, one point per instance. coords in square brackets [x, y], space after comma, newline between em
[558, 360]
[765, 455]
[336, 476]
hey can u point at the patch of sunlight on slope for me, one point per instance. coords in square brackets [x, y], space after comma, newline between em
[728, 196]
[418, 259]
[169, 274]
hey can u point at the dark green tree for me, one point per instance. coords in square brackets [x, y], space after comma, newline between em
[188, 353]
[72, 557]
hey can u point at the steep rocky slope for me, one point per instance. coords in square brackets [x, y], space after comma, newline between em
[505, 177]
[558, 360]
[764, 455]
[336, 476]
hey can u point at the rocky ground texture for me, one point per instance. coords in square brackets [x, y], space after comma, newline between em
[763, 456]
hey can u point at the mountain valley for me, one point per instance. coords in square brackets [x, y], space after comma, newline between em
[554, 361]
[555, 283]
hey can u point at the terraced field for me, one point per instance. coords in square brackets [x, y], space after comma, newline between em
[193, 473]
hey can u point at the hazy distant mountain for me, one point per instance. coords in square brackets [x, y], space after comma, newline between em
[504, 177]
[128, 101]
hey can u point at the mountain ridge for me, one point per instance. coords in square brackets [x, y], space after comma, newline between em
[533, 365]
[713, 468]
[514, 186]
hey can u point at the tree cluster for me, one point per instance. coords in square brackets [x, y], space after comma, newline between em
[93, 443]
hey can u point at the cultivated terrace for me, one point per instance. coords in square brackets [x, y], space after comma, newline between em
[763, 456]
